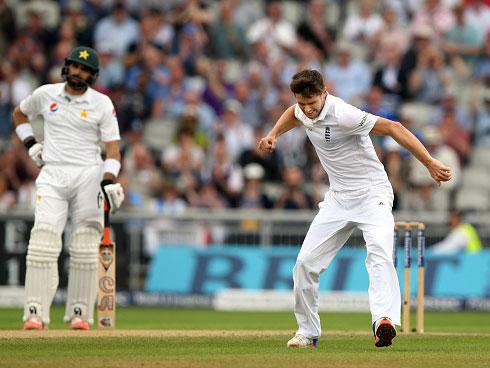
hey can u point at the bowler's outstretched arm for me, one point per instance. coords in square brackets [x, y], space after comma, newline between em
[404, 137]
[286, 122]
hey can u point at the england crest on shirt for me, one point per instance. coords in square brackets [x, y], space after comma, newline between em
[327, 133]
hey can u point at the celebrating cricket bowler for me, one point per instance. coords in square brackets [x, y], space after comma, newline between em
[73, 182]
[360, 196]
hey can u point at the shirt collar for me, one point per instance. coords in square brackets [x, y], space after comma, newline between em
[77, 99]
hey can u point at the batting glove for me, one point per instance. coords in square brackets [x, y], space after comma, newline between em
[36, 151]
[113, 194]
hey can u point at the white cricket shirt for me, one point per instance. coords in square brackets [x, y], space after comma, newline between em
[73, 125]
[340, 135]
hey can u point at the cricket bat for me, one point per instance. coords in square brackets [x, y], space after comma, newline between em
[106, 301]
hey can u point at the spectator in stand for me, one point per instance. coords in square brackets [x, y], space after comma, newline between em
[315, 29]
[193, 104]
[80, 20]
[450, 104]
[36, 30]
[482, 67]
[421, 42]
[292, 196]
[455, 136]
[430, 79]
[278, 34]
[435, 15]
[391, 34]
[432, 138]
[462, 237]
[20, 172]
[362, 27]
[154, 29]
[477, 13]
[176, 84]
[190, 121]
[183, 158]
[60, 50]
[228, 39]
[350, 76]
[191, 45]
[7, 25]
[422, 197]
[5, 108]
[118, 30]
[150, 77]
[252, 108]
[389, 75]
[238, 135]
[208, 197]
[111, 69]
[253, 196]
[143, 177]
[226, 176]
[167, 200]
[7, 196]
[308, 56]
[482, 122]
[378, 104]
[405, 9]
[18, 83]
[269, 162]
[216, 89]
[463, 39]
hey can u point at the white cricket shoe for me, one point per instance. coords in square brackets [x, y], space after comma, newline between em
[300, 341]
[384, 332]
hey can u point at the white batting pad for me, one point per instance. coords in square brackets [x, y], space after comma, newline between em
[82, 281]
[42, 271]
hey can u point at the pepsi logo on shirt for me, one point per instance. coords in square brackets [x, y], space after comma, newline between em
[53, 107]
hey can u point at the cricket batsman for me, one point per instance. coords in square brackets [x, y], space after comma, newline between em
[360, 196]
[74, 181]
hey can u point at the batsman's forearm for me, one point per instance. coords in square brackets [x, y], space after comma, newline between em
[406, 138]
[112, 163]
[112, 150]
[286, 122]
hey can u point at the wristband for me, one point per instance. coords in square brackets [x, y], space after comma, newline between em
[112, 166]
[105, 182]
[30, 143]
[24, 131]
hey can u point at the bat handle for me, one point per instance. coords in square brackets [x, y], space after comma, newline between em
[106, 238]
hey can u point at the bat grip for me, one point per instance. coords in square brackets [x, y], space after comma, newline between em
[106, 238]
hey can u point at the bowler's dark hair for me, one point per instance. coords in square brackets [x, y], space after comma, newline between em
[307, 83]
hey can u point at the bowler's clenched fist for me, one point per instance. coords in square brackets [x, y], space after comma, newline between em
[267, 144]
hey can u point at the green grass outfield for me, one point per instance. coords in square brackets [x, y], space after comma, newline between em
[154, 337]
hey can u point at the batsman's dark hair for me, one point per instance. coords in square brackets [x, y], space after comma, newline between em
[307, 83]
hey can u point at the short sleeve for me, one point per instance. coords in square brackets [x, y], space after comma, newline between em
[31, 106]
[354, 121]
[109, 126]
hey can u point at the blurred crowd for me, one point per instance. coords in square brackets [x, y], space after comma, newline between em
[197, 83]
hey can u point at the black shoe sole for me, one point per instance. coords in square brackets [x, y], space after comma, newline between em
[385, 333]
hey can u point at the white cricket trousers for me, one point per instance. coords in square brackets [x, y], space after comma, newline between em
[340, 213]
[64, 190]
